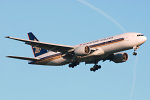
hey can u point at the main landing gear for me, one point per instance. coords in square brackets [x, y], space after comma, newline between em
[72, 65]
[95, 67]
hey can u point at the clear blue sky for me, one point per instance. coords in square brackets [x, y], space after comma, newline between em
[70, 22]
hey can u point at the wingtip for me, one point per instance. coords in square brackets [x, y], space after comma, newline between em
[7, 36]
[7, 56]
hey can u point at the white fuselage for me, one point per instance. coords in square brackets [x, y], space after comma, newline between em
[102, 47]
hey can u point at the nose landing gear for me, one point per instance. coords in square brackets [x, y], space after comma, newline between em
[134, 53]
[135, 49]
[95, 67]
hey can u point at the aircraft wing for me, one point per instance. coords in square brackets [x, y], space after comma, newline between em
[44, 45]
[23, 58]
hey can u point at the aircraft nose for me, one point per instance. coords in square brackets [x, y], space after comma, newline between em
[144, 38]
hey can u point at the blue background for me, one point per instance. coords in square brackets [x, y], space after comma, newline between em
[70, 22]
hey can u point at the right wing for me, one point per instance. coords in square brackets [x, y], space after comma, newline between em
[47, 46]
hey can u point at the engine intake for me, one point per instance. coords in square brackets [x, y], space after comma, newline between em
[82, 50]
[120, 57]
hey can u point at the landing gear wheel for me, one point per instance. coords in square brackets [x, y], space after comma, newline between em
[99, 67]
[134, 53]
[91, 69]
[95, 67]
[94, 70]
[73, 64]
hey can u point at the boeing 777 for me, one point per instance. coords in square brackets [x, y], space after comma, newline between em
[91, 52]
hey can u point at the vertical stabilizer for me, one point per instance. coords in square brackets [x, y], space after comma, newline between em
[36, 50]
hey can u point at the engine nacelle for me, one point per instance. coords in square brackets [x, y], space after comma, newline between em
[120, 57]
[82, 50]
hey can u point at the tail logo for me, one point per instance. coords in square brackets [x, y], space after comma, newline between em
[37, 49]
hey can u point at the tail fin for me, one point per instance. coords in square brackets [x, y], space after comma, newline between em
[36, 50]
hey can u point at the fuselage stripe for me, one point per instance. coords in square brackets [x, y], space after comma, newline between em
[106, 43]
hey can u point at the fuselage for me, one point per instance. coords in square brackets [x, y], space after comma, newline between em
[103, 47]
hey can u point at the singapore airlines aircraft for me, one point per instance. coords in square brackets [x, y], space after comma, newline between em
[91, 52]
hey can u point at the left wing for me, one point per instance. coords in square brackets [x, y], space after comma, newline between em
[23, 58]
[44, 45]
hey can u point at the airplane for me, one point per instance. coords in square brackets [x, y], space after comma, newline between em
[109, 48]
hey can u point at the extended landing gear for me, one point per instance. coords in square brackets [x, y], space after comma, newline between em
[95, 67]
[135, 49]
[72, 65]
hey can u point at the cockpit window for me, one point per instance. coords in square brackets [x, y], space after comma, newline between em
[140, 35]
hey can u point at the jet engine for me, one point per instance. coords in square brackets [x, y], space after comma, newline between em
[82, 50]
[120, 57]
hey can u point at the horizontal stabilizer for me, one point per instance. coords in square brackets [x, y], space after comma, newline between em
[23, 58]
